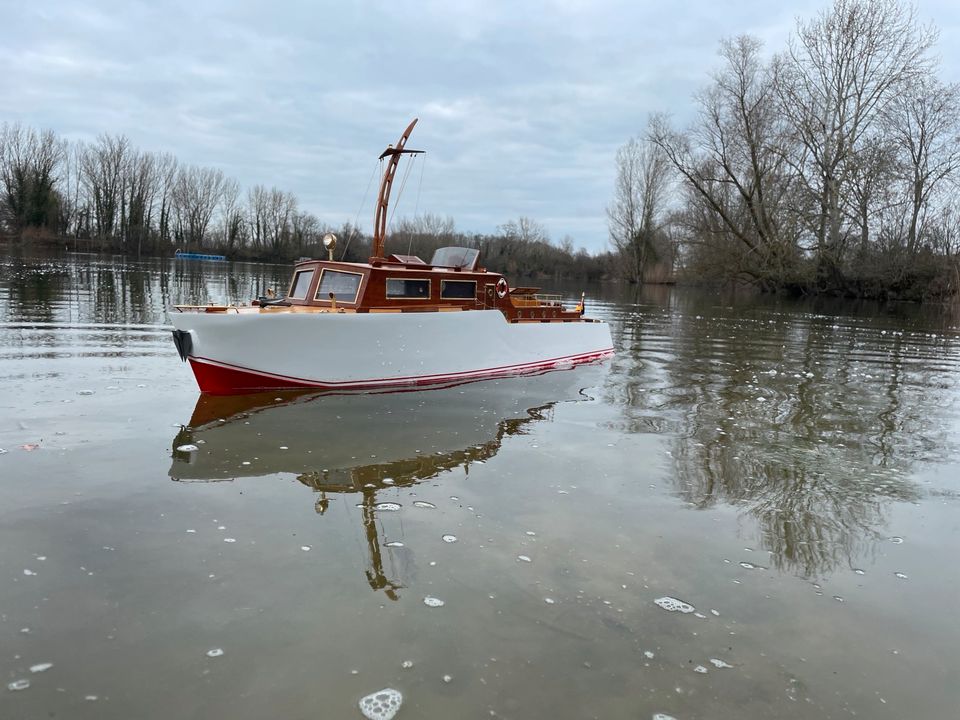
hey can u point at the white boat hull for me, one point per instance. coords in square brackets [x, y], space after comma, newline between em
[246, 352]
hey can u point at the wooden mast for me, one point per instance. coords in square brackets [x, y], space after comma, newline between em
[380, 218]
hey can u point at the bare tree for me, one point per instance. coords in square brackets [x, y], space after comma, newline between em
[923, 123]
[102, 168]
[198, 192]
[29, 161]
[734, 167]
[834, 82]
[639, 203]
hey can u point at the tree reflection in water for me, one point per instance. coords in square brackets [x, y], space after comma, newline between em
[810, 423]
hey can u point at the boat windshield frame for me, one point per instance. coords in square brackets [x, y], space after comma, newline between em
[455, 257]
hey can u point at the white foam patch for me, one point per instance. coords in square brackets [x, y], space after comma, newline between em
[381, 705]
[18, 685]
[433, 602]
[388, 506]
[187, 448]
[393, 543]
[449, 538]
[40, 667]
[673, 605]
[663, 716]
[523, 558]
[717, 663]
[700, 669]
[214, 652]
[424, 504]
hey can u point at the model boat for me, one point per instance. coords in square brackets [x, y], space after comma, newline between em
[392, 321]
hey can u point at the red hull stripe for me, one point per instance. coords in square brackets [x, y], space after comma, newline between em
[223, 379]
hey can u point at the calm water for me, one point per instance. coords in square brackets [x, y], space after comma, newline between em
[789, 471]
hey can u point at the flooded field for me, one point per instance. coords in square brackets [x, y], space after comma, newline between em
[751, 511]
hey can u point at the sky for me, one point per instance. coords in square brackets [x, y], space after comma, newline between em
[522, 105]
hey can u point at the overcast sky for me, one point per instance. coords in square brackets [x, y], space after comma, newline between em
[522, 105]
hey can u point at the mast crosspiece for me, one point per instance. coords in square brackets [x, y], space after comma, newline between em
[386, 183]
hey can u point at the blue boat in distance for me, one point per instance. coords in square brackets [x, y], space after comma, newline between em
[179, 254]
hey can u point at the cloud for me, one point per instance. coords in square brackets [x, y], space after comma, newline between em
[522, 106]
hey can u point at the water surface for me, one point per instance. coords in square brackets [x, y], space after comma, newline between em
[788, 470]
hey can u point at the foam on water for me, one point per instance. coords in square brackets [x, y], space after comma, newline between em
[18, 685]
[433, 602]
[424, 504]
[387, 506]
[717, 663]
[673, 605]
[523, 558]
[187, 448]
[381, 705]
[393, 543]
[214, 652]
[449, 538]
[40, 667]
[663, 716]
[700, 669]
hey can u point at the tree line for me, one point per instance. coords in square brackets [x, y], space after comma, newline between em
[109, 196]
[831, 166]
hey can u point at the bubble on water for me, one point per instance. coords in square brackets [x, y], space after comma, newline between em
[381, 705]
[387, 506]
[40, 667]
[19, 685]
[84, 392]
[716, 662]
[305, 548]
[284, 447]
[449, 538]
[191, 531]
[663, 716]
[245, 462]
[523, 558]
[406, 664]
[700, 669]
[531, 533]
[700, 615]
[214, 652]
[715, 613]
[838, 598]
[187, 448]
[25, 631]
[748, 566]
[388, 481]
[424, 504]
[433, 602]
[674, 605]
[393, 543]
[3, 452]
[447, 678]
[858, 571]
[230, 540]
[91, 698]
[648, 655]
[549, 601]
[900, 575]
[896, 540]
[28, 572]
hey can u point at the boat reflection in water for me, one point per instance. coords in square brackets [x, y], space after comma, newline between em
[365, 443]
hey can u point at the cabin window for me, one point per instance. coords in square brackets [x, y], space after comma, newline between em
[410, 289]
[301, 283]
[458, 289]
[343, 285]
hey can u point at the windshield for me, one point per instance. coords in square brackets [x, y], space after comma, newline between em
[457, 257]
